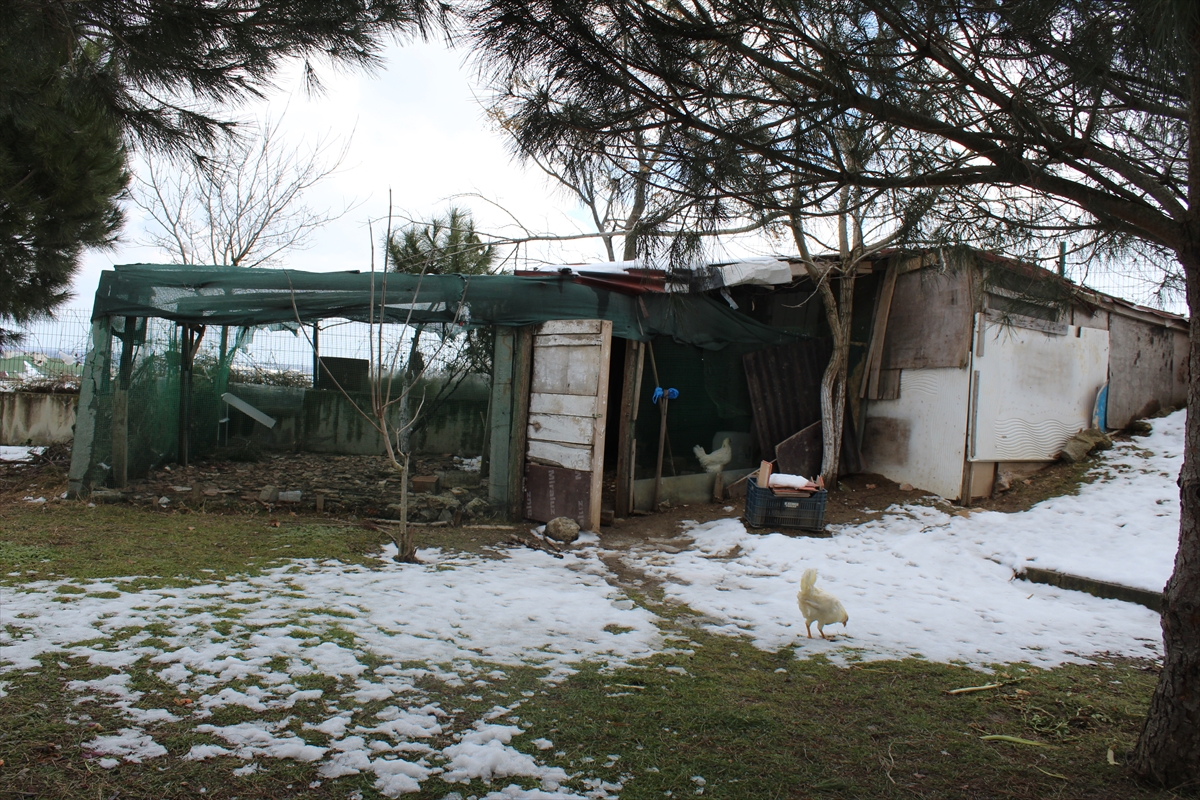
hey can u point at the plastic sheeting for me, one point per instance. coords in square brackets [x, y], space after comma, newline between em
[237, 296]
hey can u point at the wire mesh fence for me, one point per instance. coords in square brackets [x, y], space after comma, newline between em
[49, 351]
[1141, 282]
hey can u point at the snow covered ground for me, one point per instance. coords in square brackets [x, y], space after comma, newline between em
[919, 581]
[923, 581]
[18, 452]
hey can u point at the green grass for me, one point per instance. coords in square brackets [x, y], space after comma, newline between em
[752, 724]
[162, 548]
[109, 541]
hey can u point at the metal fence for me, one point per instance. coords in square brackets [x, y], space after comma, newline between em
[56, 347]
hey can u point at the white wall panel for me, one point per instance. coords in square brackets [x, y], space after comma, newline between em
[1035, 390]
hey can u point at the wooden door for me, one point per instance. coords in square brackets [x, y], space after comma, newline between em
[564, 455]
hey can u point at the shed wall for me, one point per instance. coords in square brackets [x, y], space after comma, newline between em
[920, 437]
[1141, 369]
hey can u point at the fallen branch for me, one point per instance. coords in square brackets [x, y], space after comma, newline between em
[997, 737]
[969, 689]
[545, 547]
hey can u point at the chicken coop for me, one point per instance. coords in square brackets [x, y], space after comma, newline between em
[567, 377]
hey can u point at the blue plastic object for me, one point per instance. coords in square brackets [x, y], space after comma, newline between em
[658, 393]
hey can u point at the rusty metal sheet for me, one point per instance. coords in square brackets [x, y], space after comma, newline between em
[785, 388]
[557, 492]
[801, 453]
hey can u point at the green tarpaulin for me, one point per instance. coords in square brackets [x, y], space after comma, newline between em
[238, 296]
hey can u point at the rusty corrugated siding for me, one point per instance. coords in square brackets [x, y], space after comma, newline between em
[785, 389]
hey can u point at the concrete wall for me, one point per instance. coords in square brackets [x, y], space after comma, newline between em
[37, 418]
[326, 421]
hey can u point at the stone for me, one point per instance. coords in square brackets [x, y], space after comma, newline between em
[290, 497]
[477, 507]
[446, 516]
[1003, 482]
[562, 529]
[906, 487]
[1139, 427]
[269, 494]
[1081, 444]
[458, 491]
[452, 478]
[445, 500]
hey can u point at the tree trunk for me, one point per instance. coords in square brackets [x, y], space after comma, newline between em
[833, 381]
[1168, 750]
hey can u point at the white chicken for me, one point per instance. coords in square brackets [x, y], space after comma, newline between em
[717, 459]
[818, 606]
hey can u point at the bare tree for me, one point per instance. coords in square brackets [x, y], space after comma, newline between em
[241, 205]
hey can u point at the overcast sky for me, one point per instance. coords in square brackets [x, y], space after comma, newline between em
[416, 128]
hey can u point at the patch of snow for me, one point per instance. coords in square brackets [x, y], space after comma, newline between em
[129, 744]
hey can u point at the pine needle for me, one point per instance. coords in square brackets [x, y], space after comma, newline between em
[1052, 774]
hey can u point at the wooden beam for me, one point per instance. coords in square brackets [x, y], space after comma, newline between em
[522, 377]
[601, 426]
[501, 416]
[870, 386]
[631, 387]
[93, 386]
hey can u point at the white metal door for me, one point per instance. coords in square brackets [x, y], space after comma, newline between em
[1032, 390]
[567, 407]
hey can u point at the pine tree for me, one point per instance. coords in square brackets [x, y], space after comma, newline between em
[83, 80]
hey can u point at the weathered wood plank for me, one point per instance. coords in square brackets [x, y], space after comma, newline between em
[571, 326]
[573, 405]
[931, 321]
[870, 386]
[561, 455]
[561, 428]
[601, 423]
[1022, 321]
[635, 355]
[801, 453]
[522, 372]
[567, 370]
[568, 340]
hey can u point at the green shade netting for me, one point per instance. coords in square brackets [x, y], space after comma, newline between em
[236, 296]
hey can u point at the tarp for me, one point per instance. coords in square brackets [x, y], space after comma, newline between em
[237, 296]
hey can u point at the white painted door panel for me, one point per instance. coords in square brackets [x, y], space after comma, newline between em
[920, 437]
[1033, 390]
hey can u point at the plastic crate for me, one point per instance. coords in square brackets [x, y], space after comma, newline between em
[765, 509]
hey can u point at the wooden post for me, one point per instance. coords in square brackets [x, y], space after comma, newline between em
[190, 341]
[95, 375]
[631, 389]
[120, 407]
[662, 438]
[522, 376]
[500, 422]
